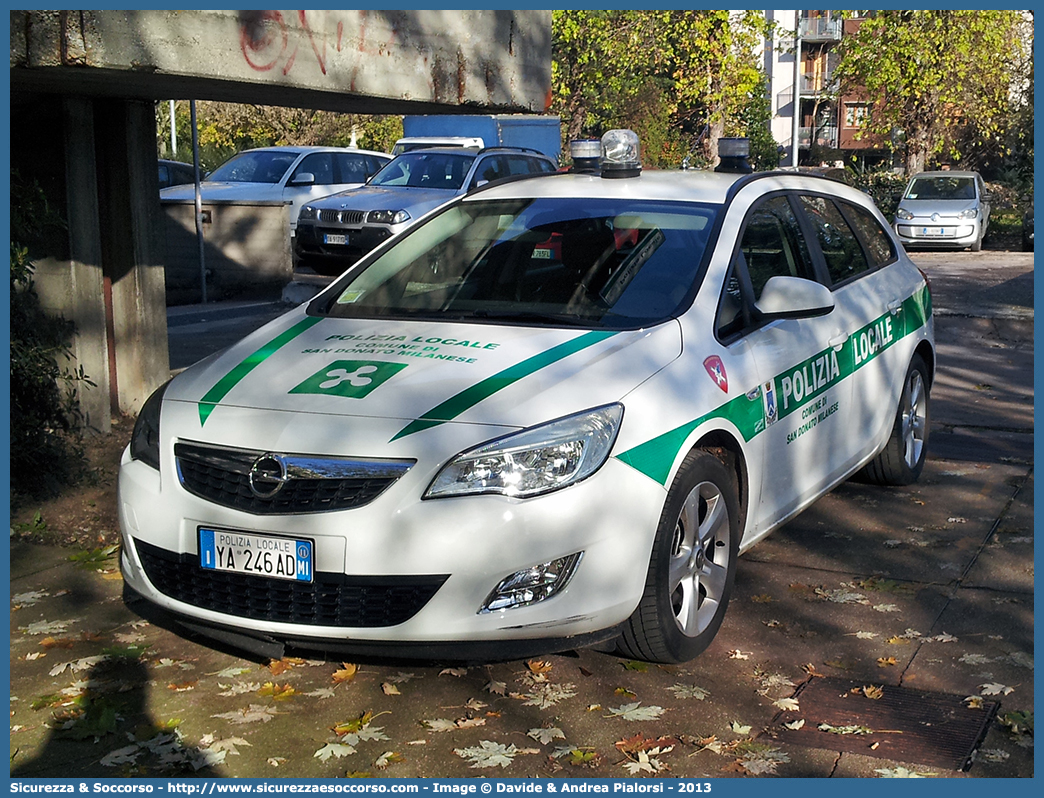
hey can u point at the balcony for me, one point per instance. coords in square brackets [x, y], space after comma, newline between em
[826, 136]
[820, 29]
[817, 82]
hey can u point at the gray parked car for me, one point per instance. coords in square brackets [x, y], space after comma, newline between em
[175, 173]
[945, 210]
[334, 232]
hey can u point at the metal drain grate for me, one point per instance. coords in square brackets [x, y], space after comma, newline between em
[907, 725]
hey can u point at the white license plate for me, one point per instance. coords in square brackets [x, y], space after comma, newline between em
[933, 231]
[335, 238]
[255, 555]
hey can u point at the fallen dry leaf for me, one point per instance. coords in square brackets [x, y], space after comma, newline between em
[884, 662]
[538, 666]
[277, 692]
[390, 689]
[56, 642]
[279, 666]
[346, 673]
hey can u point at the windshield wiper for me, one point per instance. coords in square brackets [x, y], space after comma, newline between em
[570, 319]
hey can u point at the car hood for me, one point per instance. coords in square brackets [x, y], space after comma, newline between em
[417, 201]
[941, 207]
[420, 374]
[213, 190]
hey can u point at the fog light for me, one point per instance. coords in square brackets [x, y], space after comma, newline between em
[531, 585]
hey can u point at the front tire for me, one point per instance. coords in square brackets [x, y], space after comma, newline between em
[692, 567]
[901, 460]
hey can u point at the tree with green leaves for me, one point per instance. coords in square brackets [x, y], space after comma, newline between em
[931, 74]
[228, 128]
[680, 79]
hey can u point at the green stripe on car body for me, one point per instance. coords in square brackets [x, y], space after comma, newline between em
[793, 387]
[230, 380]
[471, 396]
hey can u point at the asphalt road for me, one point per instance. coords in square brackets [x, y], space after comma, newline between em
[925, 592]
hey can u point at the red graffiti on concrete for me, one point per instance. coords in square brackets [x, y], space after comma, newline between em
[266, 43]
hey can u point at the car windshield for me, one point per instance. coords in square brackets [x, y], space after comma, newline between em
[942, 187]
[257, 166]
[616, 264]
[422, 169]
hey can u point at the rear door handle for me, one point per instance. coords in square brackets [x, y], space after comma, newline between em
[894, 306]
[838, 341]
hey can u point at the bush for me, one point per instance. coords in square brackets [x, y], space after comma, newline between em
[46, 445]
[883, 187]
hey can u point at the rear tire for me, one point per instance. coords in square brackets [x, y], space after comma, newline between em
[692, 567]
[901, 460]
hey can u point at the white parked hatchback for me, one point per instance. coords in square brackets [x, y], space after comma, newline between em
[552, 413]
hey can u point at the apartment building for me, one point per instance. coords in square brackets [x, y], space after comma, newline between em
[827, 125]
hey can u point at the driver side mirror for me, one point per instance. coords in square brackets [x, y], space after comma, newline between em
[794, 298]
[302, 179]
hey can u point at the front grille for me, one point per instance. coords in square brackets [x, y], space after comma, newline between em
[331, 600]
[310, 483]
[340, 217]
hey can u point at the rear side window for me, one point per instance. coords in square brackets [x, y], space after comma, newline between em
[879, 246]
[355, 168]
[844, 256]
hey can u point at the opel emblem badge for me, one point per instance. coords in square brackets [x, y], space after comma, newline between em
[935, 217]
[267, 476]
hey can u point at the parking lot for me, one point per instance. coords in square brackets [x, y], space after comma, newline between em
[875, 635]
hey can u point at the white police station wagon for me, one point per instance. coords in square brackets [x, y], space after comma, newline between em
[550, 414]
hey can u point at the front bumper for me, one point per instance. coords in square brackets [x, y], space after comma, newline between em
[310, 244]
[957, 234]
[460, 547]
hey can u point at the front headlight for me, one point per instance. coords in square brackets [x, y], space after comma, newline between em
[145, 439]
[534, 461]
[969, 213]
[308, 213]
[902, 213]
[387, 217]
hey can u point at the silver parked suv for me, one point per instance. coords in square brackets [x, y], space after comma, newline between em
[336, 231]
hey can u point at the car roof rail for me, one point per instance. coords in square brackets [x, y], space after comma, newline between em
[501, 148]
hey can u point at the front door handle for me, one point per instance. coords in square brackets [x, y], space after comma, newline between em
[838, 341]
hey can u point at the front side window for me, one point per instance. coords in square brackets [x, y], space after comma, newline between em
[260, 166]
[320, 165]
[598, 263]
[841, 249]
[772, 245]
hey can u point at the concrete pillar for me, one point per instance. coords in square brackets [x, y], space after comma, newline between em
[134, 273]
[85, 300]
